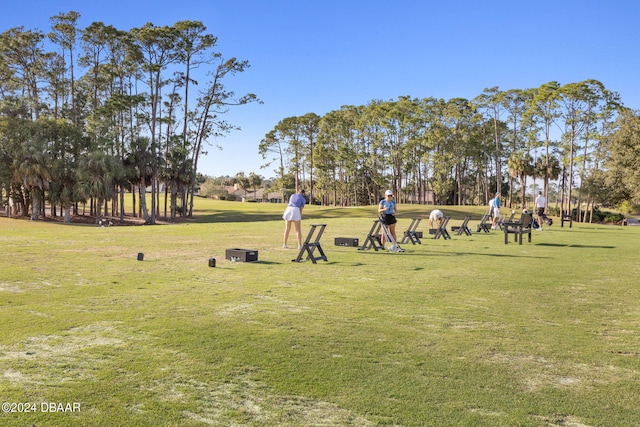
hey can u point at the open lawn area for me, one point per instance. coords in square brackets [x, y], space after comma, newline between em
[461, 332]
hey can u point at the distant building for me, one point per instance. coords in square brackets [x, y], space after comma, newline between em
[268, 196]
[428, 197]
[261, 195]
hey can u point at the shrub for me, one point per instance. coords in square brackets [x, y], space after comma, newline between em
[612, 218]
[553, 211]
[629, 208]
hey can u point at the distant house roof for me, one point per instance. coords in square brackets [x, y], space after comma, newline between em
[268, 194]
[259, 194]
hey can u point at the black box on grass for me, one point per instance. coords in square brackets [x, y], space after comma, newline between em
[241, 255]
[346, 241]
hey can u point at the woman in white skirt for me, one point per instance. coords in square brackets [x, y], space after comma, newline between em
[293, 214]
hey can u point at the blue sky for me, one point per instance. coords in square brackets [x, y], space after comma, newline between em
[315, 56]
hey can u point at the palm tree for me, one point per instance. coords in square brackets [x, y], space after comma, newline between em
[177, 175]
[243, 182]
[140, 171]
[254, 181]
[547, 168]
[96, 179]
[520, 165]
[33, 171]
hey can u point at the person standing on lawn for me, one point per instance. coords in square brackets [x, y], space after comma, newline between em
[495, 211]
[539, 207]
[387, 212]
[293, 214]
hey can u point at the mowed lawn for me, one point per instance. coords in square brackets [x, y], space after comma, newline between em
[461, 332]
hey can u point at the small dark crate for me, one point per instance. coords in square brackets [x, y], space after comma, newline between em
[345, 241]
[241, 255]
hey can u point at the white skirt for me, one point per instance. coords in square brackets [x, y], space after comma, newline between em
[292, 213]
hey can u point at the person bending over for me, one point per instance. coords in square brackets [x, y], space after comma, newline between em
[436, 215]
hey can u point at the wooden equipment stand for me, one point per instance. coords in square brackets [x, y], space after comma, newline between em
[309, 247]
[373, 239]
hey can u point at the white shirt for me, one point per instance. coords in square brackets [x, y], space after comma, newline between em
[435, 214]
[541, 202]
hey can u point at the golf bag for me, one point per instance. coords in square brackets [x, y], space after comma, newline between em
[395, 247]
[546, 219]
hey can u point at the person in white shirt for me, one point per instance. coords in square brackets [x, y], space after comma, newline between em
[539, 207]
[435, 215]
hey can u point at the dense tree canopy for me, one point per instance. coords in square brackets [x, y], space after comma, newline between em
[108, 111]
[623, 161]
[89, 115]
[458, 151]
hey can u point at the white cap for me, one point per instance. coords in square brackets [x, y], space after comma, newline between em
[388, 193]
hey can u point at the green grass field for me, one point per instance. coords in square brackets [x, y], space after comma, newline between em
[463, 332]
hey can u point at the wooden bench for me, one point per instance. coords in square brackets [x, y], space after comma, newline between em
[568, 218]
[518, 228]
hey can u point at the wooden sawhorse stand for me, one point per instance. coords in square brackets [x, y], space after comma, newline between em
[441, 231]
[462, 228]
[309, 247]
[411, 235]
[373, 239]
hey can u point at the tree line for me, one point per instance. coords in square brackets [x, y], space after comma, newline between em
[105, 112]
[460, 151]
[89, 115]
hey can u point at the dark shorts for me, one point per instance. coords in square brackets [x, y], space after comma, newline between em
[540, 212]
[388, 219]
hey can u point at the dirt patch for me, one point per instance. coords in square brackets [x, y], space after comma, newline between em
[245, 401]
[5, 287]
[537, 373]
[55, 359]
[562, 420]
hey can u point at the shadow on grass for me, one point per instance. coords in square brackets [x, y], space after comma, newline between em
[561, 245]
[312, 214]
[237, 216]
[441, 254]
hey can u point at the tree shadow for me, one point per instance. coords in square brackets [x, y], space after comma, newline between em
[575, 246]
